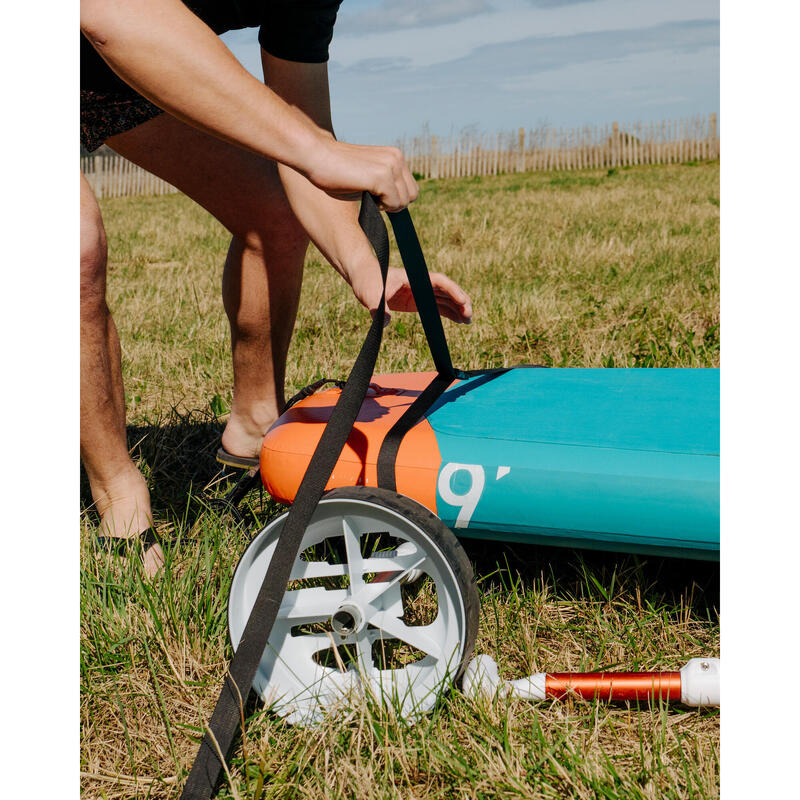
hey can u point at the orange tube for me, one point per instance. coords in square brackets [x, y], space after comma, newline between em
[615, 685]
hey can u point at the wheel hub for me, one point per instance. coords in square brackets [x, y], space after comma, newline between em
[349, 619]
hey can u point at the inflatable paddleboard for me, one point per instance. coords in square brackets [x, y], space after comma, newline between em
[614, 459]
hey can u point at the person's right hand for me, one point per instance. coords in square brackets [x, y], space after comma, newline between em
[345, 170]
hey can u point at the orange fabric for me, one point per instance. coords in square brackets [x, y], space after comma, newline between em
[289, 444]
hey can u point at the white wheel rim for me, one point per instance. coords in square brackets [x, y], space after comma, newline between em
[303, 690]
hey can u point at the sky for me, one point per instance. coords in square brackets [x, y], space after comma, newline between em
[399, 67]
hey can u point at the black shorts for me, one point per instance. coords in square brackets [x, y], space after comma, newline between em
[295, 30]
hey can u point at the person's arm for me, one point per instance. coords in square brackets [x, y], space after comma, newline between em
[332, 223]
[170, 56]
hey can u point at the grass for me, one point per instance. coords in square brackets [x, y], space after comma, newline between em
[567, 269]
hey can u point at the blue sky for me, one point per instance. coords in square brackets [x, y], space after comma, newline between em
[489, 65]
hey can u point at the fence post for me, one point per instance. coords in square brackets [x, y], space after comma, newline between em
[712, 134]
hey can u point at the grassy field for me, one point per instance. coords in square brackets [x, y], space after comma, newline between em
[594, 268]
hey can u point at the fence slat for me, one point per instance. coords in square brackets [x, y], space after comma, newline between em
[544, 148]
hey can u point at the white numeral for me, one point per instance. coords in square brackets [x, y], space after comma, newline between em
[467, 501]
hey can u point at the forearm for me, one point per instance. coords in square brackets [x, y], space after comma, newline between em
[331, 222]
[171, 57]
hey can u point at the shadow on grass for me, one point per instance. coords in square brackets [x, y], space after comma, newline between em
[599, 575]
[176, 454]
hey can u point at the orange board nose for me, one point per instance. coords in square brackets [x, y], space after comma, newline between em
[289, 444]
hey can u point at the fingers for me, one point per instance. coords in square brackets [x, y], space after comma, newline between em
[395, 187]
[453, 301]
[411, 184]
[453, 311]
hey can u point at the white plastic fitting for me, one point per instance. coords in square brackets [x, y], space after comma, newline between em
[700, 682]
[482, 679]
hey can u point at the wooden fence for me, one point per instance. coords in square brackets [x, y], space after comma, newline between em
[589, 147]
[115, 176]
[468, 154]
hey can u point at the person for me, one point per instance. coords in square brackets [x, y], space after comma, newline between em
[160, 88]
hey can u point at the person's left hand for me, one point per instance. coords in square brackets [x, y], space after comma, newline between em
[454, 303]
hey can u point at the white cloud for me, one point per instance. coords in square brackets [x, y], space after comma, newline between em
[394, 14]
[513, 22]
[627, 75]
[579, 63]
[557, 3]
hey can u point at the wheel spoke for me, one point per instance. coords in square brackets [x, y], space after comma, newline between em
[418, 637]
[364, 646]
[352, 543]
[304, 570]
[394, 564]
[311, 604]
[372, 591]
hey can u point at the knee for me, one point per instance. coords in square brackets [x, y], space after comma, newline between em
[93, 258]
[275, 233]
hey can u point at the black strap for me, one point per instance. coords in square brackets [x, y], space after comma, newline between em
[228, 713]
[387, 455]
[425, 299]
[421, 288]
[307, 391]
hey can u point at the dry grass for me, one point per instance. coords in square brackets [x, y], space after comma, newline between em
[580, 269]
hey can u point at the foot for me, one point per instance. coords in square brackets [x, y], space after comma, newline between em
[124, 508]
[244, 432]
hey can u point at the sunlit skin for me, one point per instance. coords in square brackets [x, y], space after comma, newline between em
[219, 143]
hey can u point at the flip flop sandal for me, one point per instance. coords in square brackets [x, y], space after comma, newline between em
[237, 462]
[122, 545]
[248, 462]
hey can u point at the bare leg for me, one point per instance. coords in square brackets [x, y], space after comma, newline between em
[261, 291]
[264, 267]
[118, 488]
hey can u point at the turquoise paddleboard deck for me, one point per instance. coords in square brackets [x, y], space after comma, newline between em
[614, 459]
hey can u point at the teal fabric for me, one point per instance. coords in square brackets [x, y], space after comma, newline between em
[620, 458]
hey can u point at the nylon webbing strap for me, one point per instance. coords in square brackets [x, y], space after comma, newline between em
[420, 280]
[387, 455]
[425, 299]
[227, 715]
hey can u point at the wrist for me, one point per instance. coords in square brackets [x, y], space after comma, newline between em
[318, 155]
[308, 147]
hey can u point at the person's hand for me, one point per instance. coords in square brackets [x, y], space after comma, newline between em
[332, 224]
[365, 281]
[345, 170]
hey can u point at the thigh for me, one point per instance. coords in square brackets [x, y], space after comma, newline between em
[242, 190]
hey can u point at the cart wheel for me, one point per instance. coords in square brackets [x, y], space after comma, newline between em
[350, 623]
